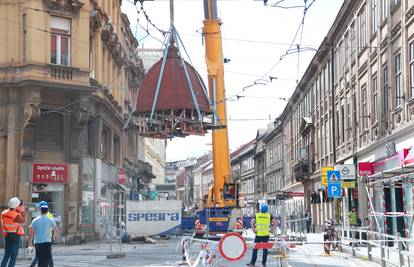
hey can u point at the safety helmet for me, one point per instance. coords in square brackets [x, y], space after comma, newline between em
[14, 203]
[43, 204]
[264, 208]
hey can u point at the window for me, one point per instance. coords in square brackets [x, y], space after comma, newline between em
[385, 89]
[347, 49]
[328, 74]
[364, 107]
[411, 59]
[362, 30]
[348, 117]
[106, 143]
[341, 61]
[384, 9]
[117, 150]
[88, 138]
[374, 99]
[373, 16]
[337, 133]
[353, 42]
[326, 137]
[398, 85]
[24, 26]
[60, 41]
[48, 133]
[343, 124]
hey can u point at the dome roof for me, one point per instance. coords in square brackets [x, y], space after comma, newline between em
[174, 93]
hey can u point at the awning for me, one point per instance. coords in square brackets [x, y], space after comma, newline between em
[298, 186]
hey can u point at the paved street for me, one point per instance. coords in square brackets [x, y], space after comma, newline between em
[166, 253]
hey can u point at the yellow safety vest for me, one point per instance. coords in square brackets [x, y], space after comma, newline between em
[263, 224]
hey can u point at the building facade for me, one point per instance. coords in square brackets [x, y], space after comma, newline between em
[354, 105]
[69, 74]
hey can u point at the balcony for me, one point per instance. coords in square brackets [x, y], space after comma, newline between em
[62, 72]
[301, 170]
[145, 169]
[51, 76]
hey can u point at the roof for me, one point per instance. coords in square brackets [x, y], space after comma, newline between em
[242, 149]
[174, 92]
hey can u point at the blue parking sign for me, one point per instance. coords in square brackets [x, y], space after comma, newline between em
[334, 190]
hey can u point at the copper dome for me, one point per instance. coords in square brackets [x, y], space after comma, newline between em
[174, 93]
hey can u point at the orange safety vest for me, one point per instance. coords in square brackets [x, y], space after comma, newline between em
[8, 225]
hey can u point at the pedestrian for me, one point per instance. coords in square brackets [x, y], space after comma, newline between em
[308, 222]
[353, 223]
[12, 230]
[261, 225]
[36, 258]
[41, 235]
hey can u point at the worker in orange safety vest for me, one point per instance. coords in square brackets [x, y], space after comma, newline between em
[12, 230]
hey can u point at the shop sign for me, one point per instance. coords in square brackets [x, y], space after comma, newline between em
[389, 163]
[354, 194]
[409, 159]
[50, 173]
[148, 218]
[348, 184]
[347, 171]
[296, 194]
[365, 168]
[121, 176]
[324, 178]
[49, 187]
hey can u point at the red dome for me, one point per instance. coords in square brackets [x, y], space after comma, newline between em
[174, 93]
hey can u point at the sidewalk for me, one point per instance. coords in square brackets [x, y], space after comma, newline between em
[391, 254]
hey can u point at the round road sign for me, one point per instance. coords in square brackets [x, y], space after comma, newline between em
[232, 247]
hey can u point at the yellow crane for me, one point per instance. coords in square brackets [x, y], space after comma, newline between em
[221, 213]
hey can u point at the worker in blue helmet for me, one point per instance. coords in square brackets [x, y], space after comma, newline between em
[262, 224]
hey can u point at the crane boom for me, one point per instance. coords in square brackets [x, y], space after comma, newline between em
[214, 61]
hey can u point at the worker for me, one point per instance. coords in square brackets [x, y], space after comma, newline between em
[36, 258]
[41, 235]
[12, 231]
[262, 224]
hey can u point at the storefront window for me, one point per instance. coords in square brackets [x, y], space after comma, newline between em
[87, 210]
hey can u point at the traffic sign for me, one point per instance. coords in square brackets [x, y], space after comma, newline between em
[232, 247]
[324, 178]
[347, 171]
[334, 177]
[334, 190]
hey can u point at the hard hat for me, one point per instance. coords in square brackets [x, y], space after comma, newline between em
[43, 204]
[14, 203]
[264, 208]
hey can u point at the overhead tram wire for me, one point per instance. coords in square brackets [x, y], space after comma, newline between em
[309, 48]
[291, 44]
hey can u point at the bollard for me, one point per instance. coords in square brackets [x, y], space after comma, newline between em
[369, 251]
[353, 248]
[400, 249]
[383, 264]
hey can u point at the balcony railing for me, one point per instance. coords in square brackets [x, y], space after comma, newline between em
[62, 72]
[301, 170]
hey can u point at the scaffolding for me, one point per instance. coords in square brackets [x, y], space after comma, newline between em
[381, 191]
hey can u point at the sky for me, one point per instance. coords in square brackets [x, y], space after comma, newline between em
[254, 39]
